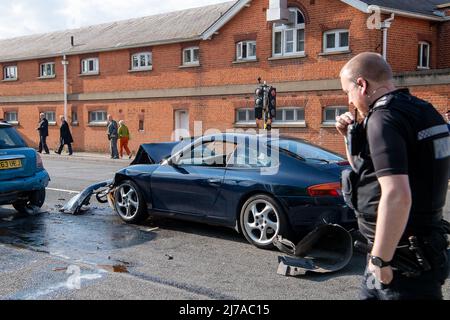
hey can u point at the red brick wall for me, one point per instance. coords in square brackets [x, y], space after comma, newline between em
[217, 68]
[216, 113]
[444, 45]
[403, 38]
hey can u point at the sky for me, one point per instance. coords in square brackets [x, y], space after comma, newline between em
[25, 17]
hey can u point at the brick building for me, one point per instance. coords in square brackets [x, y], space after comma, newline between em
[163, 72]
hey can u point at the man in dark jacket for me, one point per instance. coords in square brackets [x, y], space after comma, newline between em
[43, 134]
[65, 137]
[112, 132]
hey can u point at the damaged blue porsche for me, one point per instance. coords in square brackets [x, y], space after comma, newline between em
[261, 186]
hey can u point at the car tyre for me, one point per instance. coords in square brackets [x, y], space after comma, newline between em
[35, 201]
[129, 203]
[261, 220]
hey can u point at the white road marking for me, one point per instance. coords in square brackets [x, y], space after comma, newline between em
[62, 190]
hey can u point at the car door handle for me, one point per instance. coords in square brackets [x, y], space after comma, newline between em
[214, 181]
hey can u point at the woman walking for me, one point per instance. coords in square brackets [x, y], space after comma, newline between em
[124, 137]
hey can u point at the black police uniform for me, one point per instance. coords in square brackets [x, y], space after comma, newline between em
[403, 135]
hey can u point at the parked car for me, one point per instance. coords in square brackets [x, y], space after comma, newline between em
[23, 178]
[262, 187]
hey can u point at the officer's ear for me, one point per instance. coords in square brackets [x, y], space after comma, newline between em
[362, 85]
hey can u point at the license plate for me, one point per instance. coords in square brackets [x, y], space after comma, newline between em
[10, 164]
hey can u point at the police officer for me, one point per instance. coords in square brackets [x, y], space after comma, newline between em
[399, 153]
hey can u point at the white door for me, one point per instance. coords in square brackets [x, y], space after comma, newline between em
[181, 125]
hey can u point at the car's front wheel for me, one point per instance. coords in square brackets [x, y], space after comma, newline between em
[35, 201]
[129, 203]
[261, 220]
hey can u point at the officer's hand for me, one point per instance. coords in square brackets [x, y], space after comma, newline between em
[383, 275]
[343, 122]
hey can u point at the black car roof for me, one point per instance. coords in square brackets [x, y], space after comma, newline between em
[233, 135]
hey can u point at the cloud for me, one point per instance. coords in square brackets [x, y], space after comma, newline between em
[24, 17]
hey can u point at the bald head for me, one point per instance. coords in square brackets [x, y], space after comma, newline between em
[369, 66]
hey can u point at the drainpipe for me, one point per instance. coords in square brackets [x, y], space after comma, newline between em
[65, 63]
[385, 25]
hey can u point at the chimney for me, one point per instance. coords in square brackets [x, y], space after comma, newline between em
[278, 11]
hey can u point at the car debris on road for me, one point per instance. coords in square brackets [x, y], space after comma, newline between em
[329, 248]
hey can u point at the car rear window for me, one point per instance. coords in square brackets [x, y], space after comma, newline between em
[10, 138]
[308, 151]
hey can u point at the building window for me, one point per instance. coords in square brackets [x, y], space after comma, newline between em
[246, 115]
[98, 117]
[246, 50]
[335, 41]
[74, 117]
[330, 114]
[424, 55]
[10, 73]
[47, 70]
[12, 117]
[89, 66]
[191, 56]
[289, 38]
[141, 61]
[290, 115]
[50, 116]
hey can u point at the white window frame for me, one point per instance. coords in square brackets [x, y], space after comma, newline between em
[287, 28]
[102, 121]
[421, 45]
[247, 120]
[336, 109]
[43, 69]
[14, 120]
[51, 117]
[85, 63]
[240, 50]
[337, 41]
[74, 117]
[192, 62]
[148, 61]
[281, 116]
[10, 73]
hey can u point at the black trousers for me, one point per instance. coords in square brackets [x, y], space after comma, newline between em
[428, 286]
[61, 147]
[43, 145]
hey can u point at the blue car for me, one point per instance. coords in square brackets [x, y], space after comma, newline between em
[23, 178]
[261, 186]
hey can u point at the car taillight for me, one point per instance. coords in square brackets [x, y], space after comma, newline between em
[325, 190]
[39, 162]
[343, 163]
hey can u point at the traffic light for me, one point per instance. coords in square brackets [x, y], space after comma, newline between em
[259, 102]
[273, 102]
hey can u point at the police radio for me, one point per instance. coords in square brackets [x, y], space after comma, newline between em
[356, 136]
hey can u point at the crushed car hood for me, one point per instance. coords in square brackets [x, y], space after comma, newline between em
[154, 153]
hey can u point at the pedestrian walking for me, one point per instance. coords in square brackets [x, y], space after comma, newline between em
[124, 138]
[113, 135]
[43, 134]
[65, 137]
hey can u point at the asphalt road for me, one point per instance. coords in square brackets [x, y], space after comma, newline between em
[97, 256]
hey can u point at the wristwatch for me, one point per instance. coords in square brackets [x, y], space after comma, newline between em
[378, 262]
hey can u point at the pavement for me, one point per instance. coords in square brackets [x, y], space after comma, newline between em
[87, 156]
